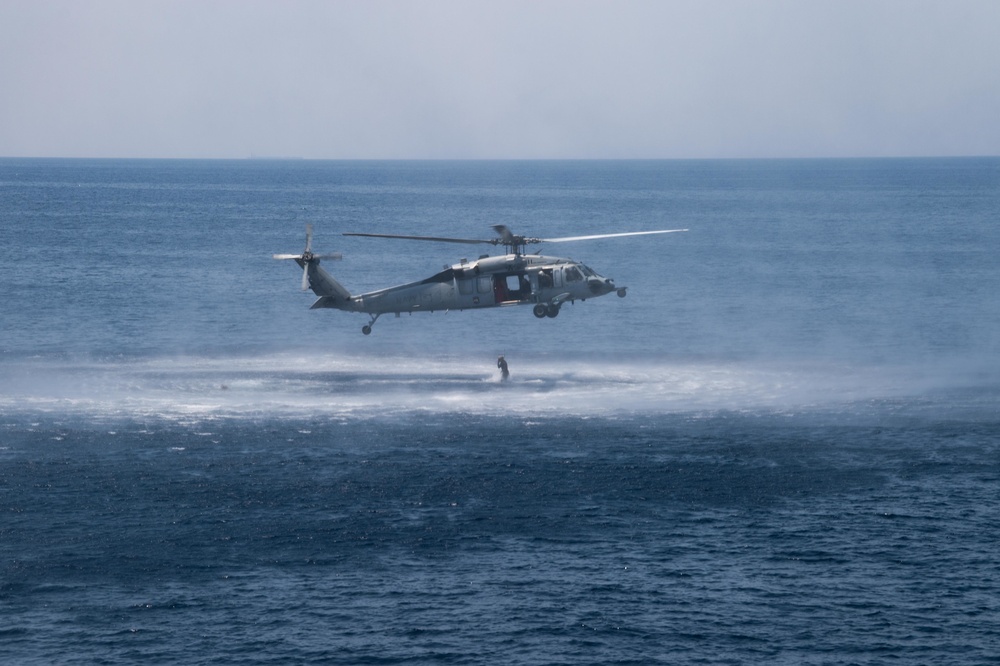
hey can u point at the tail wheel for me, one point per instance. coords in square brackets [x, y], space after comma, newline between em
[366, 329]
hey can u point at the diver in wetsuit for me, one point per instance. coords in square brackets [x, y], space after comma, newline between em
[502, 364]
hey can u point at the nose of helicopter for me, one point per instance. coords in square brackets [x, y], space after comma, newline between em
[601, 285]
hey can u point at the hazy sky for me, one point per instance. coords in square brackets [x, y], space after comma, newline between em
[499, 78]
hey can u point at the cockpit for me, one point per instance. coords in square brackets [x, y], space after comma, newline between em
[577, 272]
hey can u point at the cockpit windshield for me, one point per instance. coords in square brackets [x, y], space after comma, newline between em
[578, 272]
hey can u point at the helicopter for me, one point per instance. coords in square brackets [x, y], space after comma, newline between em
[514, 278]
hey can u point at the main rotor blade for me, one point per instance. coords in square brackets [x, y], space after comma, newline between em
[467, 241]
[596, 236]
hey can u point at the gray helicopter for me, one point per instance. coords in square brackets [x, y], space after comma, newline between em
[514, 278]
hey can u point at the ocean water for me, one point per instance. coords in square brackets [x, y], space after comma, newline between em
[782, 447]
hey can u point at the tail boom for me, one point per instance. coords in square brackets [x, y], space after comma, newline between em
[325, 286]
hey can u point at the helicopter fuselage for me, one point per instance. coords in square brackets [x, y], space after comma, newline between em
[512, 279]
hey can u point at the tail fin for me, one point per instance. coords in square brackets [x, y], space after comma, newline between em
[324, 286]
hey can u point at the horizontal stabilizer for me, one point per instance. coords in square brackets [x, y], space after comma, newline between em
[324, 302]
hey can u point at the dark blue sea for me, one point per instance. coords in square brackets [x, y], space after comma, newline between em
[782, 447]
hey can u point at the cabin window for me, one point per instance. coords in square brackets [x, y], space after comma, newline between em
[465, 286]
[573, 274]
[484, 284]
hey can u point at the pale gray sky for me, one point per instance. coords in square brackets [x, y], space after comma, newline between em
[499, 78]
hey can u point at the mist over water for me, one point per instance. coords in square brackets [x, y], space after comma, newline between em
[289, 386]
[792, 421]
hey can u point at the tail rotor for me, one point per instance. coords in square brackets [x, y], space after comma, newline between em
[307, 257]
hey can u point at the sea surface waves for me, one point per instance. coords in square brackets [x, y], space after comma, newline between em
[782, 447]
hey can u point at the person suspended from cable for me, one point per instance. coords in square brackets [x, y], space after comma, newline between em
[502, 364]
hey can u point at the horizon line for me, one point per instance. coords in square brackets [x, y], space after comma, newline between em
[256, 158]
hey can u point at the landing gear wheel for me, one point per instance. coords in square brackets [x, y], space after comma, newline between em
[367, 328]
[621, 293]
[540, 310]
[552, 311]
